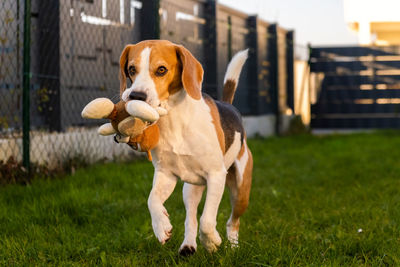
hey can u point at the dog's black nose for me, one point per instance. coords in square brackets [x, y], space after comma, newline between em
[137, 96]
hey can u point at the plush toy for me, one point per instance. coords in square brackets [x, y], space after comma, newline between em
[133, 122]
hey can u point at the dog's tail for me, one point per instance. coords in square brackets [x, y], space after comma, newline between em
[232, 74]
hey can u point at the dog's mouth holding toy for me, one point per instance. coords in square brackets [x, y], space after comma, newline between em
[144, 111]
[128, 119]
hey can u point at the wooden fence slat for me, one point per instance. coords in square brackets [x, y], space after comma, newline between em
[353, 51]
[349, 94]
[359, 79]
[352, 108]
[356, 123]
[352, 66]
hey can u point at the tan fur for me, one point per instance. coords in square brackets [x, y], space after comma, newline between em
[148, 139]
[229, 91]
[192, 72]
[240, 194]
[242, 149]
[183, 69]
[119, 113]
[217, 123]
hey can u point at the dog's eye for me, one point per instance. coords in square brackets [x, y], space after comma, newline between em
[161, 71]
[132, 70]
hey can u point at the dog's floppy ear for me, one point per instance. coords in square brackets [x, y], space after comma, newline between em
[123, 68]
[192, 72]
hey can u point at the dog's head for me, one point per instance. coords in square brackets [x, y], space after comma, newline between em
[158, 69]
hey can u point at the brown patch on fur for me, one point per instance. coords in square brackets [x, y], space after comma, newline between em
[119, 114]
[242, 149]
[231, 182]
[242, 200]
[113, 114]
[241, 152]
[217, 122]
[239, 194]
[192, 72]
[229, 91]
[147, 140]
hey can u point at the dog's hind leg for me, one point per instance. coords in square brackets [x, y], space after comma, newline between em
[163, 185]
[238, 181]
[209, 235]
[191, 197]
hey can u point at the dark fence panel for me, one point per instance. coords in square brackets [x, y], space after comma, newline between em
[75, 47]
[290, 69]
[192, 24]
[233, 34]
[360, 88]
[11, 77]
[266, 101]
[91, 42]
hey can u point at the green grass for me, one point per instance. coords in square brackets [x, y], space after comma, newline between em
[310, 197]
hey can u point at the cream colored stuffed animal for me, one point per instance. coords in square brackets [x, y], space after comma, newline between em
[133, 122]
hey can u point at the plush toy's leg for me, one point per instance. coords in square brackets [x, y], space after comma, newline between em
[149, 156]
[106, 129]
[98, 108]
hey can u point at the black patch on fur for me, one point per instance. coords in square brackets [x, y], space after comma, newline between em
[231, 121]
[187, 251]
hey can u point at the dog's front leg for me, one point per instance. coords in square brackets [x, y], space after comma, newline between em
[209, 236]
[163, 186]
[191, 197]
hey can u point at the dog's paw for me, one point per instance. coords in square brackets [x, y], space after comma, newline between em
[187, 250]
[162, 229]
[210, 241]
[233, 236]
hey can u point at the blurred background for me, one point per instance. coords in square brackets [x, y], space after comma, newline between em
[331, 66]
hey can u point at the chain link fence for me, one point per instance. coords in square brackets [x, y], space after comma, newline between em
[74, 57]
[72, 50]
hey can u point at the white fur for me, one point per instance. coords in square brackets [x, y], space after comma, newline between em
[232, 234]
[191, 197]
[233, 150]
[143, 82]
[241, 164]
[188, 148]
[235, 66]
[163, 185]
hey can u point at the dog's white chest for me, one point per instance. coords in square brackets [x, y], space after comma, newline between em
[188, 145]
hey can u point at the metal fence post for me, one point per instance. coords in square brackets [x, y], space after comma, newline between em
[229, 38]
[290, 69]
[150, 20]
[274, 74]
[49, 62]
[253, 98]
[26, 87]
[210, 51]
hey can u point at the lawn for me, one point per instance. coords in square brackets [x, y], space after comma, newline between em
[332, 200]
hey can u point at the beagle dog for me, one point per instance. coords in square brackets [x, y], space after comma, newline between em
[202, 141]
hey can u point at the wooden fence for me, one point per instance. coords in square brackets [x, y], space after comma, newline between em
[360, 87]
